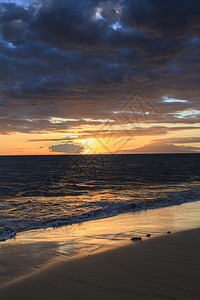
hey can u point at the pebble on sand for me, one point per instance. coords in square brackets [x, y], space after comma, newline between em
[136, 238]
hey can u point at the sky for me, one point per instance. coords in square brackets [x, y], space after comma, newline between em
[89, 77]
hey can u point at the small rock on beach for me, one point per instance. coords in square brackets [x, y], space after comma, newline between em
[136, 238]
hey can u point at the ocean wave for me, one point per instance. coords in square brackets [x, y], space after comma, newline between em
[15, 219]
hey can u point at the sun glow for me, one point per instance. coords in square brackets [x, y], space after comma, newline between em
[90, 146]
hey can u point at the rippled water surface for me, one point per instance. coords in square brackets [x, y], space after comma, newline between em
[49, 191]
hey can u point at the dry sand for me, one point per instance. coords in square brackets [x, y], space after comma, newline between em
[167, 267]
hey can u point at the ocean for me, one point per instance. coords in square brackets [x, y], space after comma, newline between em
[38, 192]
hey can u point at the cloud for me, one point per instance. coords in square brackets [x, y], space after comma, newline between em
[162, 147]
[178, 17]
[51, 140]
[110, 132]
[58, 60]
[183, 140]
[166, 99]
[67, 148]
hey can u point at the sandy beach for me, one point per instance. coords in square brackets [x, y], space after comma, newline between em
[166, 267]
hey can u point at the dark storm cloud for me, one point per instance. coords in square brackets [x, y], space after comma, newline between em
[10, 13]
[59, 60]
[160, 17]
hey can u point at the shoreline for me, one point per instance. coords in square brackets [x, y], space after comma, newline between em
[33, 250]
[159, 268]
[136, 210]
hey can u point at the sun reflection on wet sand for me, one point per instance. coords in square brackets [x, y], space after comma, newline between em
[32, 249]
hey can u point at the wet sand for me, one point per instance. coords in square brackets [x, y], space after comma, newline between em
[166, 267]
[34, 249]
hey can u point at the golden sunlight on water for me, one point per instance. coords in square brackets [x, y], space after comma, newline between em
[155, 221]
[32, 249]
[116, 230]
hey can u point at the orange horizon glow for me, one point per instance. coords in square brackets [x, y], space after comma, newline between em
[38, 144]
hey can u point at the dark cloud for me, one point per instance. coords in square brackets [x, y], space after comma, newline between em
[51, 140]
[59, 60]
[180, 17]
[12, 13]
[67, 148]
[130, 133]
[162, 147]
